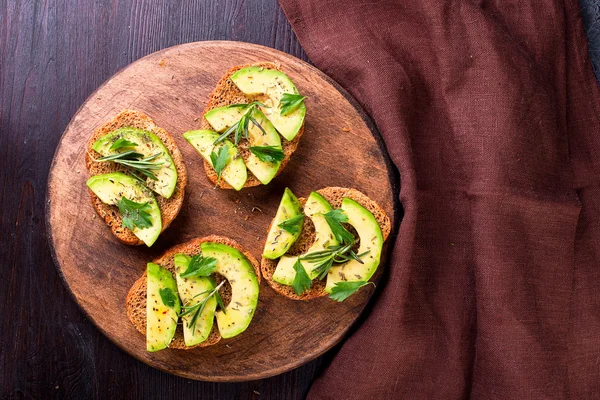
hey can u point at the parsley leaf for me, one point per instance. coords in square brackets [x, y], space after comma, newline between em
[220, 160]
[168, 297]
[334, 219]
[301, 281]
[292, 225]
[134, 214]
[342, 290]
[270, 154]
[122, 143]
[200, 266]
[289, 102]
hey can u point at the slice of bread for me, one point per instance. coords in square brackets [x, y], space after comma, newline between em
[334, 195]
[136, 298]
[226, 93]
[169, 208]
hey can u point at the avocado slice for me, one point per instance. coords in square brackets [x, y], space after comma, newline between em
[148, 144]
[192, 291]
[235, 172]
[161, 318]
[314, 208]
[223, 117]
[111, 187]
[371, 240]
[269, 85]
[279, 240]
[236, 268]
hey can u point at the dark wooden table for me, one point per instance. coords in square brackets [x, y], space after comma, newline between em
[53, 55]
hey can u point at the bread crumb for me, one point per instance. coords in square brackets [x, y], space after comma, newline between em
[345, 129]
[161, 63]
[246, 218]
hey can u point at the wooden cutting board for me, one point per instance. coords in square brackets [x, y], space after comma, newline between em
[339, 148]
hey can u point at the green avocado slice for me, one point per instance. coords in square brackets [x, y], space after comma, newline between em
[236, 268]
[110, 188]
[223, 117]
[314, 208]
[161, 318]
[193, 290]
[371, 240]
[269, 86]
[235, 173]
[148, 144]
[280, 240]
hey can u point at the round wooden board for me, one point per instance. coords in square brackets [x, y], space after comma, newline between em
[339, 148]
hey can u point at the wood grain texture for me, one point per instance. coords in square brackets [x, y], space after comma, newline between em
[172, 86]
[53, 55]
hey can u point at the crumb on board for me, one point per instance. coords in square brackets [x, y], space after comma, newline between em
[346, 129]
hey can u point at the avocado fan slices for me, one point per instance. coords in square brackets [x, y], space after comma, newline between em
[131, 144]
[321, 261]
[260, 112]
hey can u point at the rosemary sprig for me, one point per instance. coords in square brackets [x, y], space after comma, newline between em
[240, 128]
[332, 254]
[135, 161]
[197, 308]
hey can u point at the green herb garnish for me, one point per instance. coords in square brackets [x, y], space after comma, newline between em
[197, 308]
[218, 296]
[289, 102]
[332, 254]
[200, 266]
[168, 297]
[134, 214]
[342, 290]
[122, 143]
[240, 128]
[220, 160]
[293, 224]
[301, 281]
[135, 161]
[334, 219]
[270, 154]
[220, 302]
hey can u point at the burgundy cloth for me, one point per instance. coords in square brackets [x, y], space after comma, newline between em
[489, 109]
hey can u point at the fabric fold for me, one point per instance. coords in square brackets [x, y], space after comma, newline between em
[488, 110]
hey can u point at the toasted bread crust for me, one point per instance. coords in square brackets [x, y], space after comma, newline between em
[334, 195]
[226, 93]
[169, 208]
[136, 298]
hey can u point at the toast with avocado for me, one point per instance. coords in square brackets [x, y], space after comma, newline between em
[251, 126]
[327, 244]
[195, 294]
[137, 177]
